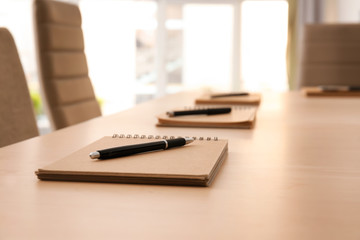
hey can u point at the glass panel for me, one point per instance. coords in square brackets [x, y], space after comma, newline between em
[145, 26]
[109, 33]
[264, 39]
[207, 52]
[174, 47]
[121, 46]
[147, 44]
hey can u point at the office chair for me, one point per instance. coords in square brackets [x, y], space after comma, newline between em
[331, 55]
[62, 64]
[17, 118]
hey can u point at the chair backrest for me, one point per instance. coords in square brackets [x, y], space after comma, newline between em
[17, 118]
[62, 63]
[331, 55]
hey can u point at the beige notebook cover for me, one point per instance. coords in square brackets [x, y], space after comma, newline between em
[252, 98]
[317, 92]
[239, 117]
[193, 164]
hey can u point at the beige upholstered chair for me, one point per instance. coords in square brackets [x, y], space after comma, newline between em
[17, 118]
[62, 63]
[331, 55]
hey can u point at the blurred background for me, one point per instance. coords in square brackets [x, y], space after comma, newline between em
[140, 50]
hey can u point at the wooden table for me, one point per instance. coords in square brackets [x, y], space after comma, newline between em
[295, 176]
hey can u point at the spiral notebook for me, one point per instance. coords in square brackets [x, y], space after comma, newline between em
[252, 98]
[193, 164]
[240, 117]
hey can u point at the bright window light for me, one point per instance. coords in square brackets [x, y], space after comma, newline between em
[207, 46]
[110, 50]
[263, 50]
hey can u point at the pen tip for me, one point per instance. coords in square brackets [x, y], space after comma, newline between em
[189, 140]
[170, 114]
[94, 155]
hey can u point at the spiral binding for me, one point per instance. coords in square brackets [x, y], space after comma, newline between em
[115, 135]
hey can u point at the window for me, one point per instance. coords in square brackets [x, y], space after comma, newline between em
[264, 39]
[138, 50]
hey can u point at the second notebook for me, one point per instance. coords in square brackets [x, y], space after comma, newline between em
[239, 117]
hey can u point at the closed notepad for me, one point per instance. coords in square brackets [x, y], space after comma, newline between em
[193, 164]
[239, 117]
[317, 92]
[252, 98]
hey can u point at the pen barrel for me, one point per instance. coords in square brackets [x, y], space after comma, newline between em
[354, 88]
[131, 149]
[177, 142]
[218, 111]
[229, 95]
[209, 111]
[190, 112]
[339, 88]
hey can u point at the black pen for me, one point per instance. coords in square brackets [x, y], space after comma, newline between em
[140, 148]
[334, 88]
[208, 111]
[235, 94]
